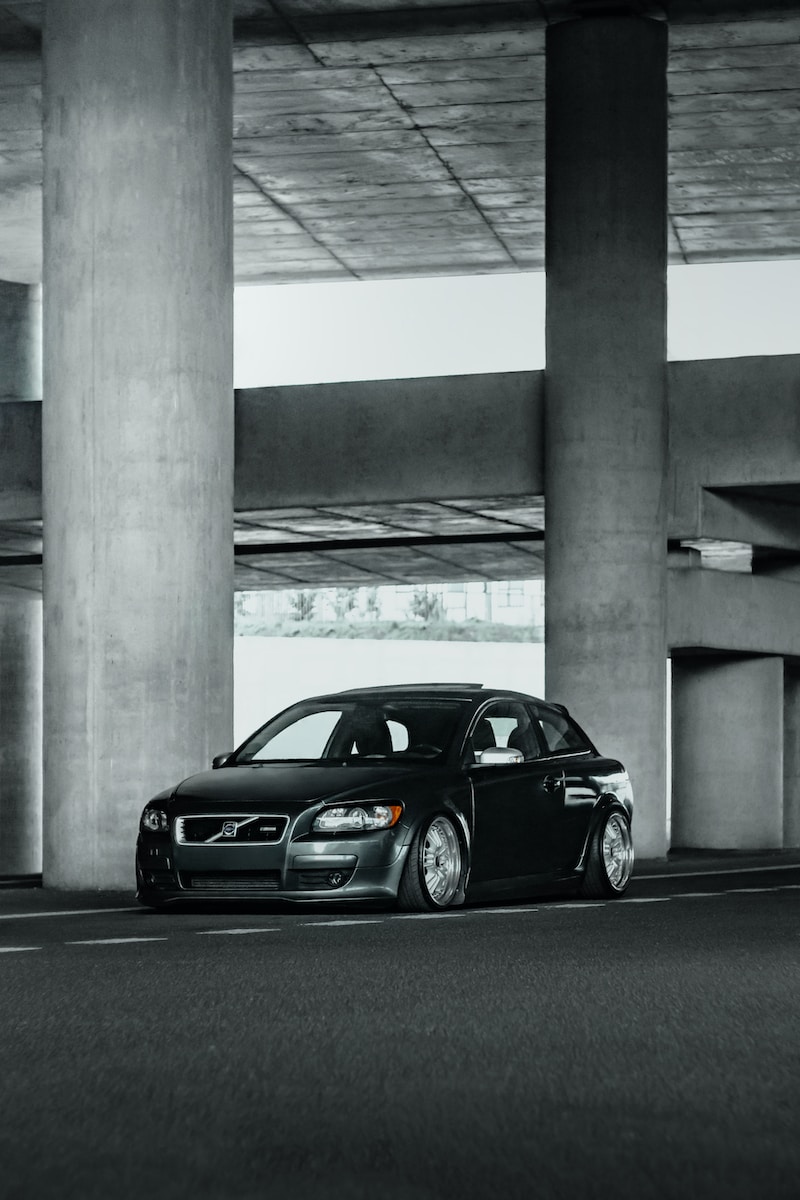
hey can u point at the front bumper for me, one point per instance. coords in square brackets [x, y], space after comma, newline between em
[365, 867]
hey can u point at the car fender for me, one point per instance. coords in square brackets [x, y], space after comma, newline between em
[605, 803]
[447, 808]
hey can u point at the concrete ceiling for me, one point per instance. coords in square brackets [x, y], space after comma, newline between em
[350, 545]
[379, 138]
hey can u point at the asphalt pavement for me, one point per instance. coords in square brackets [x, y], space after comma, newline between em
[645, 1048]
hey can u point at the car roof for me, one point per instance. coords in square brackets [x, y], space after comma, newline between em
[475, 692]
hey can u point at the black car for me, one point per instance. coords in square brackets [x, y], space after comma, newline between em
[424, 796]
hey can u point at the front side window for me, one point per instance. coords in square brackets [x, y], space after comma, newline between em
[560, 734]
[505, 723]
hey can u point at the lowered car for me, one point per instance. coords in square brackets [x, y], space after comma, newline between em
[422, 796]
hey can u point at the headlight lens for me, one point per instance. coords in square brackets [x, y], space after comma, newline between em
[154, 820]
[353, 818]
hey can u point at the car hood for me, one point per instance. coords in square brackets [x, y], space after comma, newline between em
[296, 784]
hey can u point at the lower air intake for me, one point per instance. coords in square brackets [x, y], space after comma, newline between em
[232, 881]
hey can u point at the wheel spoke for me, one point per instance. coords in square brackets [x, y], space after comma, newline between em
[441, 861]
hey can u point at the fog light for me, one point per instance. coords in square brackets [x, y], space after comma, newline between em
[336, 878]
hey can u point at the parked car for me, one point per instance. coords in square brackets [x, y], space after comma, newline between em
[426, 796]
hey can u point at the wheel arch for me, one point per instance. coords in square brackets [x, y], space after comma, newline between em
[607, 802]
[446, 808]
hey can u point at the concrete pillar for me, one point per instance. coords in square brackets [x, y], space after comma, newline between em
[20, 342]
[21, 726]
[605, 400]
[20, 617]
[727, 753]
[137, 417]
[791, 757]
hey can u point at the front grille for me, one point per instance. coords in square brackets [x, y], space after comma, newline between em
[250, 829]
[231, 881]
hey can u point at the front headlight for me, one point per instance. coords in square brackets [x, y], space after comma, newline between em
[355, 818]
[154, 820]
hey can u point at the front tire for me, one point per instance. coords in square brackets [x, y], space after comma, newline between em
[609, 862]
[435, 865]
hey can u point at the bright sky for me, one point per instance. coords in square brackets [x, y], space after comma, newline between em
[323, 333]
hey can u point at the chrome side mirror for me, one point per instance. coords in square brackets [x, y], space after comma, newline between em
[499, 756]
[220, 760]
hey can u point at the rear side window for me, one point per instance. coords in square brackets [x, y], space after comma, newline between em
[560, 735]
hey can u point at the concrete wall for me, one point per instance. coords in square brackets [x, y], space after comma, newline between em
[732, 421]
[791, 757]
[727, 753]
[20, 342]
[21, 725]
[20, 460]
[404, 439]
[723, 610]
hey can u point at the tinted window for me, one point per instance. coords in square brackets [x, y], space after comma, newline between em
[357, 728]
[560, 734]
[506, 723]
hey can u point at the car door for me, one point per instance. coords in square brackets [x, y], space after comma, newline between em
[571, 757]
[517, 805]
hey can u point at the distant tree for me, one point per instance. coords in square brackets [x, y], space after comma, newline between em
[372, 604]
[425, 605]
[344, 601]
[302, 605]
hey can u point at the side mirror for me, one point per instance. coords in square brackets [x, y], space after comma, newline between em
[499, 756]
[221, 760]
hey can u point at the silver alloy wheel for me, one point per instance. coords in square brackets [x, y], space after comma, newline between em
[617, 851]
[441, 861]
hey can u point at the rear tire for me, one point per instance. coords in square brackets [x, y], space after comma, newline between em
[434, 868]
[609, 861]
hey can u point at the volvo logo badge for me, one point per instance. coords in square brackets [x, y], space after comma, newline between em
[229, 828]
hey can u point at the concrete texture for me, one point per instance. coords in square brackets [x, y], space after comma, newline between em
[138, 417]
[408, 138]
[389, 440]
[791, 756]
[727, 746]
[723, 610]
[605, 396]
[20, 460]
[20, 338]
[21, 726]
[733, 424]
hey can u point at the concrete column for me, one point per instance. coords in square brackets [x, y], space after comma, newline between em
[605, 401]
[137, 417]
[791, 757]
[21, 725]
[20, 611]
[20, 342]
[727, 753]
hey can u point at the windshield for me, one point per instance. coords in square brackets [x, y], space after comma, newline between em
[364, 728]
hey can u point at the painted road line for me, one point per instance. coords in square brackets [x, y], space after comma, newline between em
[357, 921]
[723, 871]
[232, 932]
[113, 941]
[748, 891]
[576, 905]
[432, 916]
[66, 912]
[646, 899]
[696, 895]
[492, 911]
[17, 949]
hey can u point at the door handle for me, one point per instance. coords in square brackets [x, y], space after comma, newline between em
[551, 783]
